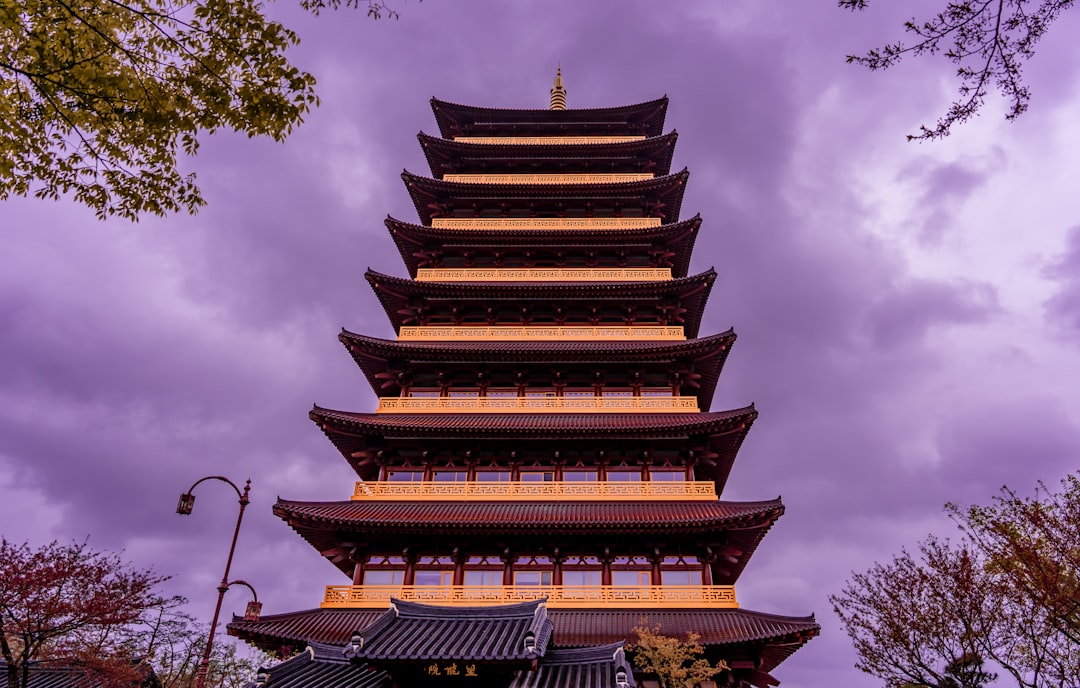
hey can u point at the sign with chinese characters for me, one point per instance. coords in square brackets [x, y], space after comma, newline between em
[451, 669]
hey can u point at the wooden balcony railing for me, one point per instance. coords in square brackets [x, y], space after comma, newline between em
[542, 274]
[538, 405]
[600, 491]
[549, 140]
[597, 178]
[539, 333]
[556, 223]
[559, 596]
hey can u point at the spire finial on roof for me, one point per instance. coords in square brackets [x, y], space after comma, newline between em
[558, 93]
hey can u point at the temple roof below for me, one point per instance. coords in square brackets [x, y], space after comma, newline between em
[726, 629]
[410, 631]
[326, 666]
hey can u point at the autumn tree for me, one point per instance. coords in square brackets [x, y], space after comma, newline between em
[172, 642]
[1003, 600]
[675, 663]
[988, 41]
[71, 604]
[99, 98]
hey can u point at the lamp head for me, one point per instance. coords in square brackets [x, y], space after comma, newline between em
[253, 610]
[187, 500]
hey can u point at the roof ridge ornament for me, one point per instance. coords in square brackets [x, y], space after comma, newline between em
[558, 93]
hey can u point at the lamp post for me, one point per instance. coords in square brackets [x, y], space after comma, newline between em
[187, 501]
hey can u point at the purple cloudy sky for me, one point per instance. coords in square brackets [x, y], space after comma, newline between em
[908, 315]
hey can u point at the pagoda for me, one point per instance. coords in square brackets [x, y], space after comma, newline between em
[543, 470]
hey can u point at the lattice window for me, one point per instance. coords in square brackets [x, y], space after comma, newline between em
[485, 475]
[405, 476]
[579, 476]
[680, 576]
[450, 476]
[625, 476]
[667, 476]
[537, 578]
[483, 577]
[434, 577]
[384, 576]
[656, 392]
[536, 476]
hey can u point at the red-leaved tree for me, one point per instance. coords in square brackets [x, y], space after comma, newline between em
[72, 605]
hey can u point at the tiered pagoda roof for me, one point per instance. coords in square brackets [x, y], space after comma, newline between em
[651, 155]
[769, 637]
[655, 197]
[382, 359]
[713, 437]
[736, 528]
[662, 246]
[641, 119]
[669, 302]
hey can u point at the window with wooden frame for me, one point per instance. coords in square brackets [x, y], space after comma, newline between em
[407, 475]
[579, 475]
[536, 475]
[450, 475]
[536, 570]
[384, 570]
[582, 571]
[492, 475]
[434, 571]
[684, 570]
[656, 392]
[665, 475]
[631, 571]
[617, 475]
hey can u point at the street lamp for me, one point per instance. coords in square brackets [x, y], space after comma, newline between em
[187, 501]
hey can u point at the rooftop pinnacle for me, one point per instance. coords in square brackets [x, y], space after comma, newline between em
[558, 93]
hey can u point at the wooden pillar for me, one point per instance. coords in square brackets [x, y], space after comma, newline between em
[508, 567]
[410, 567]
[358, 571]
[459, 567]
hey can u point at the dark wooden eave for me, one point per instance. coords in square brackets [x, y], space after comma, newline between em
[446, 156]
[640, 119]
[684, 298]
[659, 197]
[668, 245]
[382, 359]
[732, 530]
[714, 437]
[766, 639]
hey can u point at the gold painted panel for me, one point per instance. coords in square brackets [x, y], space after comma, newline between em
[559, 596]
[605, 491]
[547, 140]
[538, 405]
[557, 223]
[540, 333]
[600, 178]
[542, 274]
